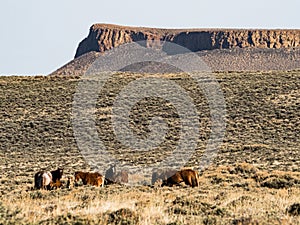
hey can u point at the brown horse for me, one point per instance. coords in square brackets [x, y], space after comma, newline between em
[160, 175]
[188, 176]
[88, 178]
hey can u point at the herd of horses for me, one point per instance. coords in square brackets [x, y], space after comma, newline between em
[49, 180]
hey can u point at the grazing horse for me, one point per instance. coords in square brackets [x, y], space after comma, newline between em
[116, 177]
[48, 180]
[95, 179]
[188, 176]
[162, 174]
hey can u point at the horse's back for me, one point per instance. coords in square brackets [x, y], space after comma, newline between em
[47, 178]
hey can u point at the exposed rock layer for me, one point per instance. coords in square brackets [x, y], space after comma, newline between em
[103, 37]
[238, 59]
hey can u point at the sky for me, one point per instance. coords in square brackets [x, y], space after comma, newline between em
[37, 37]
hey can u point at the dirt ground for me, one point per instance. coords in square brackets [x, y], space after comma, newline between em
[253, 179]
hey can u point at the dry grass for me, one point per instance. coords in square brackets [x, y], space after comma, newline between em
[232, 199]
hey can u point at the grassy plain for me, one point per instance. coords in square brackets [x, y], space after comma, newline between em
[254, 178]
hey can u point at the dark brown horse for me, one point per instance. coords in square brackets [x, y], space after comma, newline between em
[57, 174]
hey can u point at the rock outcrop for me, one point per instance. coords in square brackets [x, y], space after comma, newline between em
[220, 49]
[103, 37]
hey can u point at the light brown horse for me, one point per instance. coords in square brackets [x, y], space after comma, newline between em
[95, 179]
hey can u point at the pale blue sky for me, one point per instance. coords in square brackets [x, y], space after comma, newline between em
[39, 36]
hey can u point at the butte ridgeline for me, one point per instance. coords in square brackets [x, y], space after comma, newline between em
[221, 49]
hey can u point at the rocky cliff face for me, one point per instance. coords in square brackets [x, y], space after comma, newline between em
[103, 37]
